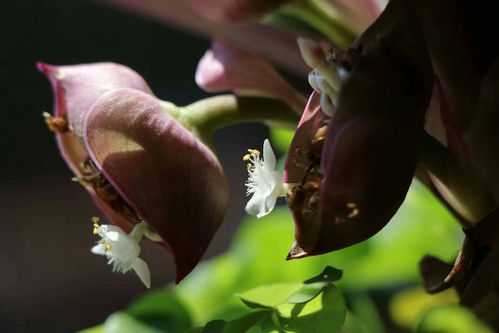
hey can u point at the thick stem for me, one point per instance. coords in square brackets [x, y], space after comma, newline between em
[210, 114]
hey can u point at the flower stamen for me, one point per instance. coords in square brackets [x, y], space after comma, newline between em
[56, 124]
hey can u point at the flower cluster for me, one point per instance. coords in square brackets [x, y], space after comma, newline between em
[378, 105]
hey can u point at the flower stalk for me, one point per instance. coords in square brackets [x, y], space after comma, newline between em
[207, 115]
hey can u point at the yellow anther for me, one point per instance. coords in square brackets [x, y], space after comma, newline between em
[354, 210]
[56, 124]
[107, 246]
[254, 152]
[80, 181]
[96, 225]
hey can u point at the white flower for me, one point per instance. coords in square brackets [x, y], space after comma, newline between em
[122, 250]
[264, 183]
[326, 77]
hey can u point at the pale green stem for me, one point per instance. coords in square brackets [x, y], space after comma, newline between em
[335, 30]
[207, 115]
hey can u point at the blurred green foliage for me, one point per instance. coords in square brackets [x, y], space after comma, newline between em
[451, 319]
[273, 295]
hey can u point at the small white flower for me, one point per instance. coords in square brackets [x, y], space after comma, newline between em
[264, 183]
[325, 78]
[122, 250]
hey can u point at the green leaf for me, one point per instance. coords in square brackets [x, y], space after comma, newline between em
[421, 226]
[269, 296]
[313, 286]
[307, 292]
[365, 315]
[162, 309]
[120, 322]
[247, 322]
[329, 274]
[451, 319]
[261, 247]
[353, 324]
[268, 326]
[324, 314]
[223, 275]
[215, 326]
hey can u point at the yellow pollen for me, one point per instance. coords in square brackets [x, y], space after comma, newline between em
[251, 153]
[96, 225]
[254, 152]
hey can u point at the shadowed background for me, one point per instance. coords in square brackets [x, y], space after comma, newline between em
[49, 280]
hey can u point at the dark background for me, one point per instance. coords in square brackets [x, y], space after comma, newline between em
[49, 281]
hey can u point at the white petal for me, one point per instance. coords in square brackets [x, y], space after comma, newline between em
[269, 159]
[270, 202]
[279, 188]
[256, 205]
[99, 249]
[113, 236]
[109, 227]
[140, 267]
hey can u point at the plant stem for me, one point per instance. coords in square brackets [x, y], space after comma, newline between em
[330, 26]
[208, 115]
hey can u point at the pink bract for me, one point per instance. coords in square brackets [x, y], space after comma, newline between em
[135, 160]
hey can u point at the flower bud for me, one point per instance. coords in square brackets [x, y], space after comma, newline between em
[138, 163]
[228, 68]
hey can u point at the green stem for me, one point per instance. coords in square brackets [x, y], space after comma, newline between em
[330, 26]
[208, 115]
